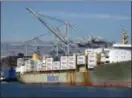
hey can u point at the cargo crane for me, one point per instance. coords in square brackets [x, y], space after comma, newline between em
[56, 33]
[67, 24]
[58, 47]
[27, 43]
[35, 39]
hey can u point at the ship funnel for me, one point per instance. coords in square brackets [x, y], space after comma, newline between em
[35, 56]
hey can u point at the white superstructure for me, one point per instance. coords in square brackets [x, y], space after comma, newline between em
[118, 53]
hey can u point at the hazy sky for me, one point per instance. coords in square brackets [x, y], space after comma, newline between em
[90, 18]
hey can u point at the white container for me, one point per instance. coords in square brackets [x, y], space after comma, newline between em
[22, 69]
[92, 60]
[64, 62]
[49, 65]
[72, 62]
[44, 61]
[20, 61]
[49, 60]
[81, 59]
[30, 62]
[29, 67]
[56, 65]
[87, 51]
[39, 66]
[18, 68]
[44, 68]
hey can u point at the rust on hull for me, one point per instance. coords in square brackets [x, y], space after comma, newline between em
[118, 75]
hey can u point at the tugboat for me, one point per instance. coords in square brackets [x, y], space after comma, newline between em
[11, 76]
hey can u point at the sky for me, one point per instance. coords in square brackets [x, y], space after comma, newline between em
[105, 19]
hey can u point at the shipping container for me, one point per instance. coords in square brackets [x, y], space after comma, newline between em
[18, 68]
[71, 62]
[81, 59]
[87, 51]
[22, 69]
[92, 60]
[29, 67]
[49, 63]
[39, 66]
[64, 62]
[49, 59]
[56, 65]
[43, 61]
[20, 61]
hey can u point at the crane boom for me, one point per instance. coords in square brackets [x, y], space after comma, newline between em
[65, 41]
[53, 18]
[44, 23]
[59, 20]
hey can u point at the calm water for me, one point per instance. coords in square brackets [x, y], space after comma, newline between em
[22, 90]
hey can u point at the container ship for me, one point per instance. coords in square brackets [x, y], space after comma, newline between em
[95, 67]
[108, 65]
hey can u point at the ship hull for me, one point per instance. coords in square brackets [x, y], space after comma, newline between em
[115, 75]
[60, 78]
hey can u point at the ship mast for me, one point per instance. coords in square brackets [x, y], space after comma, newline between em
[124, 37]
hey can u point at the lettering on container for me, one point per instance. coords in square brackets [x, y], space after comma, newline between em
[91, 60]
[52, 78]
[56, 65]
[49, 59]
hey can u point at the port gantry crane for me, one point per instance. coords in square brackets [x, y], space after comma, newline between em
[64, 39]
[32, 42]
[57, 45]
